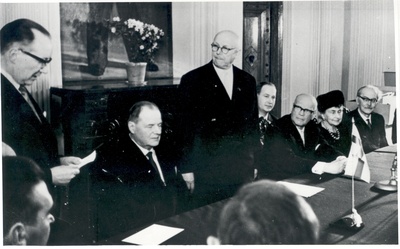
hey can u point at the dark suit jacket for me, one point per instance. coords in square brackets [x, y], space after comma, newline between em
[374, 138]
[130, 193]
[284, 154]
[23, 131]
[217, 131]
[343, 144]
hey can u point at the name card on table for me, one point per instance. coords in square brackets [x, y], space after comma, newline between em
[301, 189]
[153, 235]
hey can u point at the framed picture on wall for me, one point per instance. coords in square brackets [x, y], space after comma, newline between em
[91, 51]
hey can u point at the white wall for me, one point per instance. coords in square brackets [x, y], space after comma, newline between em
[330, 45]
[194, 25]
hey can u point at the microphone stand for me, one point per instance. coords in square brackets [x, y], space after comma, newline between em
[389, 185]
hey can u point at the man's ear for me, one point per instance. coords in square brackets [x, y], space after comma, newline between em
[17, 235]
[213, 241]
[12, 54]
[131, 126]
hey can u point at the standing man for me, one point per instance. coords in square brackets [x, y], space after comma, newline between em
[137, 185]
[25, 53]
[370, 125]
[220, 122]
[297, 147]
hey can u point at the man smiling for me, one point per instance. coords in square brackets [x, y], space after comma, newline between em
[370, 125]
[297, 139]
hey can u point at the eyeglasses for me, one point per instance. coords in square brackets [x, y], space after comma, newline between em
[224, 49]
[301, 109]
[373, 101]
[41, 60]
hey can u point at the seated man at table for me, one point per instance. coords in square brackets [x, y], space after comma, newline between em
[26, 203]
[266, 212]
[370, 125]
[296, 146]
[136, 186]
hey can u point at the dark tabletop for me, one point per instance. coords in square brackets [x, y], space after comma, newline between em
[378, 209]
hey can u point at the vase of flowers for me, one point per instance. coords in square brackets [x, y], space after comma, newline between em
[141, 42]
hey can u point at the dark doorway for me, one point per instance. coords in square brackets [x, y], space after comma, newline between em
[262, 44]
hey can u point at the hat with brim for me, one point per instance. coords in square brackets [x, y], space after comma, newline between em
[331, 99]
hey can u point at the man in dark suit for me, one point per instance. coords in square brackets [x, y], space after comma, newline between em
[266, 98]
[219, 107]
[296, 146]
[135, 185]
[370, 125]
[26, 50]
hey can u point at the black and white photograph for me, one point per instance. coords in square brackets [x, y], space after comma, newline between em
[199, 123]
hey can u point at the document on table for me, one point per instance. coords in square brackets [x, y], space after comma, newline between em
[153, 235]
[301, 189]
[90, 158]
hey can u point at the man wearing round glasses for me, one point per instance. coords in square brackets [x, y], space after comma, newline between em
[26, 50]
[219, 106]
[296, 146]
[370, 125]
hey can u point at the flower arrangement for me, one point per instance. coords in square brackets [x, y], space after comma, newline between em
[141, 39]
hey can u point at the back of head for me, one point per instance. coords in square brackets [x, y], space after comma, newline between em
[19, 30]
[265, 212]
[20, 175]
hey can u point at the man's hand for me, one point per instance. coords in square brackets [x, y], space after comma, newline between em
[62, 175]
[189, 179]
[68, 160]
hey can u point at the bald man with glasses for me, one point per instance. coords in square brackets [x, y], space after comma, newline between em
[296, 146]
[370, 125]
[26, 50]
[219, 106]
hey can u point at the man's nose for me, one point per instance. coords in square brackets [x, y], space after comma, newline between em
[44, 69]
[157, 130]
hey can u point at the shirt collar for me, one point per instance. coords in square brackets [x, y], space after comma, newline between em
[143, 150]
[363, 116]
[223, 71]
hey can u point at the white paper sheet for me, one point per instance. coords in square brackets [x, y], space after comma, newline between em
[153, 235]
[88, 159]
[301, 189]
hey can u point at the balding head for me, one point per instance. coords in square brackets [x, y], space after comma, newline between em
[225, 40]
[304, 107]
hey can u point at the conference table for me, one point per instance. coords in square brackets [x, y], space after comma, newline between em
[378, 209]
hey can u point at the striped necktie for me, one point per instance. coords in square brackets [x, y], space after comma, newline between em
[25, 94]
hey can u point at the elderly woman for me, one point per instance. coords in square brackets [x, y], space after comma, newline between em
[335, 132]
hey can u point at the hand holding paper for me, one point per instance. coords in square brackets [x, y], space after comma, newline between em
[90, 158]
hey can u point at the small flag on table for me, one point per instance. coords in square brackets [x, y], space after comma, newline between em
[357, 164]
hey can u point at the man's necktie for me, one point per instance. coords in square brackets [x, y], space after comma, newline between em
[263, 124]
[150, 157]
[25, 94]
[369, 123]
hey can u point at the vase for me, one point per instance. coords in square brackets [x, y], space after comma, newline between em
[136, 72]
[97, 48]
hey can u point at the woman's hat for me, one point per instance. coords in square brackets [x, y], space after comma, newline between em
[330, 99]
